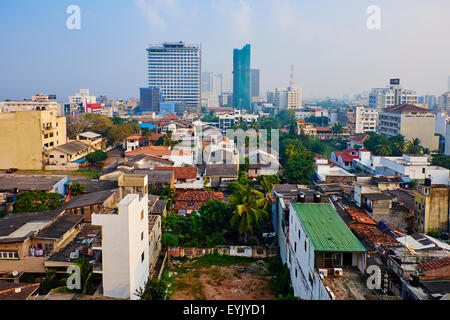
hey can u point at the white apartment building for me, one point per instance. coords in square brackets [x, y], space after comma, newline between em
[320, 243]
[442, 119]
[392, 95]
[415, 167]
[175, 69]
[411, 122]
[365, 119]
[288, 98]
[294, 97]
[82, 98]
[125, 240]
[38, 102]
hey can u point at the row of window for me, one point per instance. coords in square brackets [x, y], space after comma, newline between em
[11, 255]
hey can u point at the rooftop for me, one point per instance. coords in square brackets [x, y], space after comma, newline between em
[221, 170]
[156, 176]
[89, 199]
[325, 228]
[435, 264]
[21, 226]
[28, 182]
[193, 200]
[60, 226]
[406, 108]
[181, 172]
[17, 291]
[72, 147]
[90, 135]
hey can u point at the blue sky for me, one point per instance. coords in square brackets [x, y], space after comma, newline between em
[327, 40]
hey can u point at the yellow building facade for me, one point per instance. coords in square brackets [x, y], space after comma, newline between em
[431, 208]
[27, 135]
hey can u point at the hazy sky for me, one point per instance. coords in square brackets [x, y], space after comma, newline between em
[333, 51]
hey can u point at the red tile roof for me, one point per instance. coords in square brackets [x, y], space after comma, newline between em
[193, 200]
[433, 265]
[181, 172]
[372, 234]
[347, 155]
[360, 216]
[323, 129]
[134, 137]
[360, 139]
[157, 151]
[407, 108]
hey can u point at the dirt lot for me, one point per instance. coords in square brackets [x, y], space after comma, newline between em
[243, 281]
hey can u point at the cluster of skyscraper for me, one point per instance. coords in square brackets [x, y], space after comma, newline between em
[175, 80]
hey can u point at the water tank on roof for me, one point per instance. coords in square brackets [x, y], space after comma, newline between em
[427, 182]
[301, 197]
[414, 280]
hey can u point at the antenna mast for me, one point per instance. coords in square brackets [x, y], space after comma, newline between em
[291, 82]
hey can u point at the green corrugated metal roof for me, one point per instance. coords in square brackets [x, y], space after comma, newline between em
[325, 228]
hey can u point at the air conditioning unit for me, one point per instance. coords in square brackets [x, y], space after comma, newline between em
[323, 272]
[338, 272]
[18, 290]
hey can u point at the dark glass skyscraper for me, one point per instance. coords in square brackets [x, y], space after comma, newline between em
[150, 98]
[241, 78]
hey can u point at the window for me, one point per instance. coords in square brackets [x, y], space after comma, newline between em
[61, 156]
[142, 215]
[142, 257]
[295, 246]
[10, 255]
[142, 235]
[48, 247]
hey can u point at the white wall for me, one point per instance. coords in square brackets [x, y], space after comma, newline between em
[122, 247]
[306, 282]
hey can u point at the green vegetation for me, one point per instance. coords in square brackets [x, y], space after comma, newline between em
[434, 234]
[166, 193]
[35, 201]
[393, 146]
[86, 272]
[210, 118]
[204, 230]
[441, 160]
[154, 289]
[281, 280]
[78, 189]
[114, 129]
[97, 156]
[249, 209]
[319, 121]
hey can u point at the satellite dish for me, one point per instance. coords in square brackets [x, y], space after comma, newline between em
[15, 273]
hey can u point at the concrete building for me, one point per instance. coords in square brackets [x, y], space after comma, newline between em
[411, 122]
[294, 98]
[28, 135]
[150, 99]
[83, 98]
[175, 67]
[255, 83]
[392, 95]
[414, 166]
[319, 243]
[444, 101]
[242, 78]
[38, 102]
[431, 208]
[365, 120]
[125, 240]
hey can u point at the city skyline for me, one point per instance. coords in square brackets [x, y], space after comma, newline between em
[326, 44]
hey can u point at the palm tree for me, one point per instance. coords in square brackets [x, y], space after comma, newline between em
[86, 270]
[414, 146]
[337, 129]
[290, 150]
[249, 204]
[384, 150]
[400, 143]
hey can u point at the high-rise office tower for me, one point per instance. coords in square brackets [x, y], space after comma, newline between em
[207, 81]
[150, 99]
[255, 82]
[175, 67]
[241, 78]
[393, 95]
